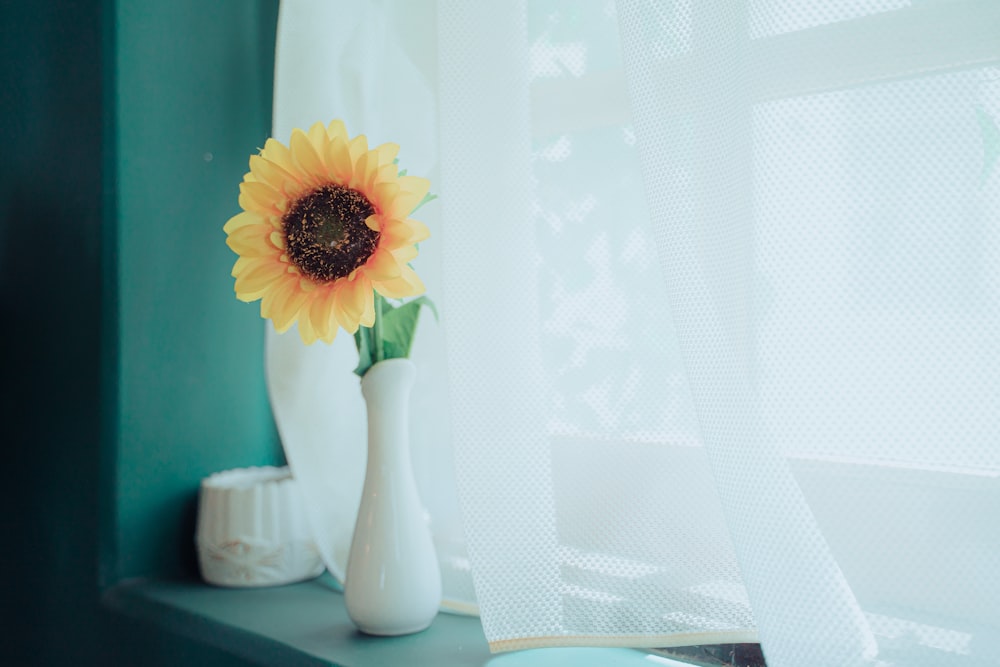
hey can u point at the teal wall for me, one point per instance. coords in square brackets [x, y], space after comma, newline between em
[194, 100]
[131, 370]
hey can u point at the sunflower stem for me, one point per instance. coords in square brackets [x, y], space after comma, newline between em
[378, 342]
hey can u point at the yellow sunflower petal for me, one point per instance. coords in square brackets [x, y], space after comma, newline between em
[346, 310]
[382, 196]
[358, 147]
[373, 223]
[397, 233]
[363, 170]
[338, 159]
[275, 176]
[259, 197]
[337, 130]
[393, 233]
[250, 297]
[386, 173]
[382, 266]
[405, 254]
[374, 170]
[352, 302]
[418, 231]
[240, 266]
[387, 153]
[331, 334]
[306, 157]
[412, 190]
[321, 315]
[242, 220]
[277, 239]
[407, 284]
[368, 315]
[277, 290]
[258, 275]
[414, 184]
[286, 304]
[251, 241]
[319, 138]
[306, 330]
[402, 204]
[278, 153]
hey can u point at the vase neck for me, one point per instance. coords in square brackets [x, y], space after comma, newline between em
[386, 388]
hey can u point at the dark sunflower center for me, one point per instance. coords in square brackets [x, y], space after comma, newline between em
[326, 235]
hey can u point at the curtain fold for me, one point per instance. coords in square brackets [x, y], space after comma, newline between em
[561, 378]
[814, 261]
[703, 222]
[493, 359]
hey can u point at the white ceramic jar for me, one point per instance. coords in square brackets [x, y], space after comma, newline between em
[252, 529]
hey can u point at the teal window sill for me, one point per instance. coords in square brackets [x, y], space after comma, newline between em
[306, 625]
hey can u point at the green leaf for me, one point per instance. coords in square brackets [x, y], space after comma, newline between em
[362, 339]
[425, 301]
[399, 324]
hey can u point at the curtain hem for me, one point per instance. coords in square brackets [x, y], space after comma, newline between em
[626, 641]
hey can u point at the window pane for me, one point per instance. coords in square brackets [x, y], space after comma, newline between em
[774, 17]
[877, 251]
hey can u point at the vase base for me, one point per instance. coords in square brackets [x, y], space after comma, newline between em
[393, 632]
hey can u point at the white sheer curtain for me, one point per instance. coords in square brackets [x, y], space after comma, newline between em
[719, 355]
[824, 198]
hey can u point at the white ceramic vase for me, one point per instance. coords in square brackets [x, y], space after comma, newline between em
[393, 582]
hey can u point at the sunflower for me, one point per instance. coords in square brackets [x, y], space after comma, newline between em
[324, 226]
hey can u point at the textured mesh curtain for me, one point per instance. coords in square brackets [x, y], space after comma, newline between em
[824, 193]
[589, 507]
[719, 350]
[803, 446]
